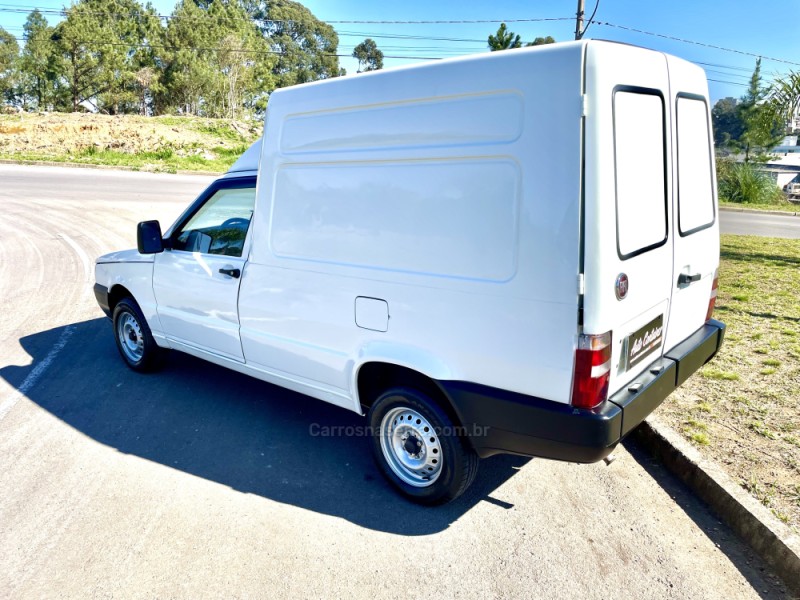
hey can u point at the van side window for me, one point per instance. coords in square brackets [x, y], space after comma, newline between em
[695, 182]
[220, 225]
[639, 158]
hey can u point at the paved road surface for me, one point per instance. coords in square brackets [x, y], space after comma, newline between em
[199, 482]
[763, 224]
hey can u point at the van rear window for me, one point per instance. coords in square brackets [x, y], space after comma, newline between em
[640, 166]
[695, 183]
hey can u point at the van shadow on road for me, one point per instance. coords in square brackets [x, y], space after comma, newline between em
[232, 429]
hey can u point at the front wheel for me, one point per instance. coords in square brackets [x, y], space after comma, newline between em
[418, 449]
[134, 340]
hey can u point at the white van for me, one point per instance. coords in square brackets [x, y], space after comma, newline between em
[509, 252]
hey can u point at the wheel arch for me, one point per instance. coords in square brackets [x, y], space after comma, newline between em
[117, 293]
[373, 377]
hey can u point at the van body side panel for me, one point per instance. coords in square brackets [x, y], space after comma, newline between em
[628, 205]
[448, 191]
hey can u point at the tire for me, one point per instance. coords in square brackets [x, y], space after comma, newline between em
[417, 447]
[134, 340]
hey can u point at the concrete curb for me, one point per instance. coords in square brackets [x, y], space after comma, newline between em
[755, 211]
[777, 545]
[55, 163]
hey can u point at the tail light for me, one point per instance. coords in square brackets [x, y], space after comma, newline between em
[592, 370]
[713, 300]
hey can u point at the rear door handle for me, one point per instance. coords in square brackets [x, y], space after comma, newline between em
[686, 279]
[231, 272]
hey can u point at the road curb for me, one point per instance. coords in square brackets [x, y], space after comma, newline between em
[755, 211]
[777, 545]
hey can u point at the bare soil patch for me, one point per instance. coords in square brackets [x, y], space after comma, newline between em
[150, 143]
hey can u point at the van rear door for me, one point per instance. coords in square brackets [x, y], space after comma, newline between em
[628, 246]
[695, 228]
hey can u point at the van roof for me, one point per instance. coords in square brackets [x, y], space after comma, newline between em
[249, 160]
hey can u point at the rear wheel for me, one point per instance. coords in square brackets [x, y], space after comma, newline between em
[418, 449]
[134, 340]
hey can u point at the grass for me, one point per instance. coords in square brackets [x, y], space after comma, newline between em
[762, 430]
[712, 373]
[782, 207]
[165, 159]
[744, 407]
[170, 143]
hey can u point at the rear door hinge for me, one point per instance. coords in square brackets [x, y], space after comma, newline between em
[581, 285]
[584, 105]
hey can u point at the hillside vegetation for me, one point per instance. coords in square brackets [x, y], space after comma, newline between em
[211, 59]
[166, 143]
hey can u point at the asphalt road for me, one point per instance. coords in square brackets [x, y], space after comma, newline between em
[762, 224]
[199, 482]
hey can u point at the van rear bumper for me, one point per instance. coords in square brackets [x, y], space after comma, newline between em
[498, 421]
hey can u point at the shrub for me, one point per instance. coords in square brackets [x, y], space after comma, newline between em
[745, 183]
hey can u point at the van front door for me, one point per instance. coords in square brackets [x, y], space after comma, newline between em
[196, 280]
[695, 228]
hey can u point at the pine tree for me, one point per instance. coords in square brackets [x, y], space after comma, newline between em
[503, 39]
[306, 46]
[760, 121]
[9, 56]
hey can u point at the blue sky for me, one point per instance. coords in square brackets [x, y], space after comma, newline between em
[768, 30]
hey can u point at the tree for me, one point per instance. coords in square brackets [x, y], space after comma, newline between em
[727, 123]
[99, 51]
[752, 124]
[370, 58]
[146, 79]
[78, 38]
[216, 62]
[9, 54]
[784, 94]
[39, 63]
[540, 41]
[761, 122]
[126, 49]
[306, 47]
[503, 39]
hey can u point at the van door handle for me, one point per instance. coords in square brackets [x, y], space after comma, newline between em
[686, 279]
[231, 272]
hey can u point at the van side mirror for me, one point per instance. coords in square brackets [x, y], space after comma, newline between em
[148, 237]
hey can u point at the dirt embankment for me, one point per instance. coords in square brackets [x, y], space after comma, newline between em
[103, 139]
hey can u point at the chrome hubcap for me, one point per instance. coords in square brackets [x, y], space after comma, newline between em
[411, 447]
[130, 337]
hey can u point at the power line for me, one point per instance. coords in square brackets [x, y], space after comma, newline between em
[736, 68]
[728, 82]
[63, 12]
[383, 35]
[696, 43]
[401, 36]
[454, 22]
[390, 48]
[96, 43]
[727, 74]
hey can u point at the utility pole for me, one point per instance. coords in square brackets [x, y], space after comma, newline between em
[579, 21]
